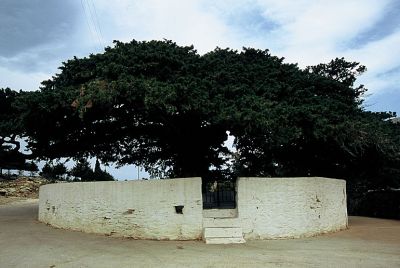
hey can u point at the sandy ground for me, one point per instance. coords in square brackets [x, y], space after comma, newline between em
[10, 199]
[24, 242]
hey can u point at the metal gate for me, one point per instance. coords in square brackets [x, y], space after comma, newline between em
[221, 195]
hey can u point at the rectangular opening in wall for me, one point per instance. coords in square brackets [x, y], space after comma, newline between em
[179, 209]
[219, 194]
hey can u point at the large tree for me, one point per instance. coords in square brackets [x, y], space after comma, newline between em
[168, 109]
[323, 130]
[143, 102]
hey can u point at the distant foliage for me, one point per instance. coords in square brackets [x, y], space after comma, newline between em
[54, 172]
[83, 172]
[101, 175]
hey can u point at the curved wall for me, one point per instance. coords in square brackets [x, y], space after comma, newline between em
[273, 208]
[138, 209]
[267, 208]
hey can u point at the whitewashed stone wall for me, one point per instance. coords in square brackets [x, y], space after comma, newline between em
[138, 209]
[272, 208]
[267, 208]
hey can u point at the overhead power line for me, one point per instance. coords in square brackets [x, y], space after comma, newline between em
[92, 22]
[96, 17]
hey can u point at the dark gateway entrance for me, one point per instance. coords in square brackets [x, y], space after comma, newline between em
[220, 195]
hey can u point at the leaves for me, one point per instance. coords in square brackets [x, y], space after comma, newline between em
[168, 109]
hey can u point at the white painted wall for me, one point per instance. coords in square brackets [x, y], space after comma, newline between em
[267, 208]
[138, 209]
[271, 208]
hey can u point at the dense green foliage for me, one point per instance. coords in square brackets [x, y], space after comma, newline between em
[101, 175]
[54, 172]
[11, 156]
[82, 170]
[168, 109]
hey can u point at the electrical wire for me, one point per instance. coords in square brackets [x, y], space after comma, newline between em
[94, 21]
[90, 23]
[97, 21]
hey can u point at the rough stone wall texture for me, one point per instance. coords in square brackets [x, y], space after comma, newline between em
[137, 209]
[273, 208]
[267, 208]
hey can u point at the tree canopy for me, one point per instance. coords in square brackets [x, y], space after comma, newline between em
[168, 109]
[11, 155]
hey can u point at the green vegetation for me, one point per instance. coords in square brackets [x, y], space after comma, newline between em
[54, 172]
[168, 109]
[10, 155]
[80, 172]
[83, 172]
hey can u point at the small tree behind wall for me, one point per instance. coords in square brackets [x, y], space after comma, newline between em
[83, 172]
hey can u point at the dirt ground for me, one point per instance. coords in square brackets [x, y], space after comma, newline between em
[10, 199]
[25, 242]
[20, 188]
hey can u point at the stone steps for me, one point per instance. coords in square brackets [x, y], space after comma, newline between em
[220, 213]
[223, 235]
[221, 222]
[222, 230]
[224, 240]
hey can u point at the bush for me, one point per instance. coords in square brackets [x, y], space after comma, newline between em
[377, 203]
[54, 172]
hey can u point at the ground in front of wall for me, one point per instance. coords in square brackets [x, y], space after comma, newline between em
[25, 242]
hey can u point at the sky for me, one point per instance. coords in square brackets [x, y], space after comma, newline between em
[37, 35]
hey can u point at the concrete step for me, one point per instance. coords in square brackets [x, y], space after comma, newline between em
[225, 240]
[223, 235]
[221, 222]
[219, 213]
[223, 232]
